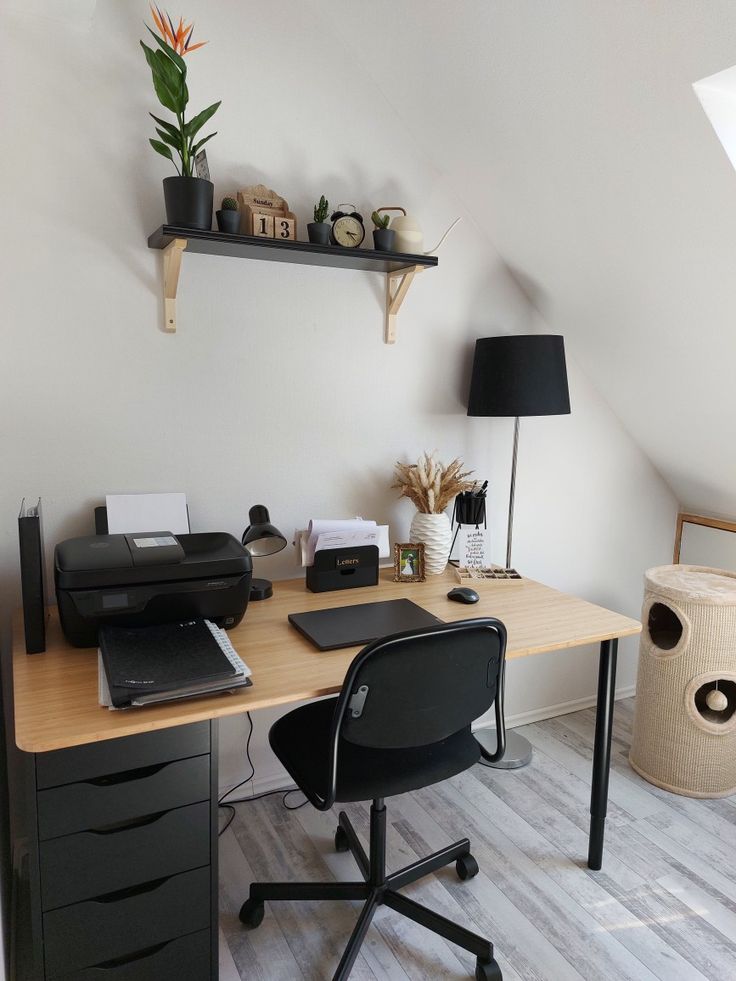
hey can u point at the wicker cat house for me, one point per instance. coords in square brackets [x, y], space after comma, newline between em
[685, 715]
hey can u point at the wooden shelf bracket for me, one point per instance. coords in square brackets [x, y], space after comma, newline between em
[395, 297]
[172, 266]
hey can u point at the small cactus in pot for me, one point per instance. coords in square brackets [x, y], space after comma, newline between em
[228, 217]
[319, 229]
[383, 236]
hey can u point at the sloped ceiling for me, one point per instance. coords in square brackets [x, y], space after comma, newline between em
[571, 129]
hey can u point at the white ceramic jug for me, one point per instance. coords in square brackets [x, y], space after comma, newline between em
[409, 237]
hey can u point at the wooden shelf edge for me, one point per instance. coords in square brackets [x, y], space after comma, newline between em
[399, 268]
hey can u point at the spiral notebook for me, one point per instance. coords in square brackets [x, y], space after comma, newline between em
[146, 665]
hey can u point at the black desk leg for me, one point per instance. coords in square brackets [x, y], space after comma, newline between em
[602, 751]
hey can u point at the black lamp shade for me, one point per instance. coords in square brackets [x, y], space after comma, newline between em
[261, 537]
[519, 375]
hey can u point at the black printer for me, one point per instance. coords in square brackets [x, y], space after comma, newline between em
[149, 578]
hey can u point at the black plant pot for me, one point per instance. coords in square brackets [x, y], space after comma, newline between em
[228, 221]
[319, 232]
[383, 239]
[189, 202]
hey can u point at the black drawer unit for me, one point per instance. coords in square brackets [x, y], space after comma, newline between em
[77, 867]
[117, 924]
[115, 755]
[183, 959]
[93, 804]
[115, 859]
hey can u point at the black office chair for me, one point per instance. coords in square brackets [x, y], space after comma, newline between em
[401, 722]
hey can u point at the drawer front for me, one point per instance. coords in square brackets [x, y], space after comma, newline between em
[93, 863]
[184, 959]
[62, 766]
[116, 925]
[122, 796]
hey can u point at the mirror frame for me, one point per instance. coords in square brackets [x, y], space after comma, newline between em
[697, 519]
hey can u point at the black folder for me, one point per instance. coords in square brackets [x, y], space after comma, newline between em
[347, 626]
[171, 657]
[30, 538]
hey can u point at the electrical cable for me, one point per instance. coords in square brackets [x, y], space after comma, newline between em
[229, 805]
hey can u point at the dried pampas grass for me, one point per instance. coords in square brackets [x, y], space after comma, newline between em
[429, 484]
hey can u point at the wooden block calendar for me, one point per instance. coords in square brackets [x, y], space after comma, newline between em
[265, 214]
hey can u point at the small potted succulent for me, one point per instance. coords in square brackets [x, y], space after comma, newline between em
[228, 217]
[383, 236]
[319, 229]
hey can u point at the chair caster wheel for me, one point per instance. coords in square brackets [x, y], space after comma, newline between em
[341, 840]
[487, 971]
[251, 912]
[466, 867]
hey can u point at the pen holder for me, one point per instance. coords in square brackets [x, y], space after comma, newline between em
[343, 568]
[470, 509]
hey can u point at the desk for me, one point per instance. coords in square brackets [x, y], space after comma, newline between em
[55, 694]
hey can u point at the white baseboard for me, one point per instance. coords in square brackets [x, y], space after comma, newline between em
[551, 711]
[266, 781]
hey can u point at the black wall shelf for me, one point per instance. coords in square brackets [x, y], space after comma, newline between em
[399, 268]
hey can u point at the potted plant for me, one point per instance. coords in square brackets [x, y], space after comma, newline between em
[383, 236]
[188, 199]
[319, 229]
[228, 217]
[430, 486]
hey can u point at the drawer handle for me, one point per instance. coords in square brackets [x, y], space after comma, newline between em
[115, 897]
[130, 958]
[113, 829]
[126, 776]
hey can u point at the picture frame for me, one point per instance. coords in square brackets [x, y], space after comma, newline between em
[409, 562]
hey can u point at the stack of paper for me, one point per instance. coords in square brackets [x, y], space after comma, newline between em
[342, 533]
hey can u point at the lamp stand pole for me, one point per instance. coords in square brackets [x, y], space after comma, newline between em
[512, 490]
[518, 748]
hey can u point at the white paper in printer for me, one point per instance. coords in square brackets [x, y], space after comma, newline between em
[324, 533]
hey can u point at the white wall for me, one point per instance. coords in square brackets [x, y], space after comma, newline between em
[572, 131]
[277, 387]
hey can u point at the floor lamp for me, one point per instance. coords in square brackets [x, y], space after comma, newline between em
[519, 375]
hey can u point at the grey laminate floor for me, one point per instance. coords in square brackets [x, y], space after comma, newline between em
[664, 905]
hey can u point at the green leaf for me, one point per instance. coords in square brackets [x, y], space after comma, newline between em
[195, 125]
[170, 80]
[174, 141]
[198, 146]
[170, 128]
[167, 49]
[167, 80]
[161, 148]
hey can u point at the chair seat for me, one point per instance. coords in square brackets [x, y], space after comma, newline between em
[301, 740]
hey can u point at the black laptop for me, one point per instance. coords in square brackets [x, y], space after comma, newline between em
[348, 626]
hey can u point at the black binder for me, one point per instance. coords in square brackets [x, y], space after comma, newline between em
[30, 537]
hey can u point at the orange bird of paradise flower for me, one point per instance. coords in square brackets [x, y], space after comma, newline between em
[180, 39]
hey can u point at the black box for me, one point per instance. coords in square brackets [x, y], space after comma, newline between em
[343, 568]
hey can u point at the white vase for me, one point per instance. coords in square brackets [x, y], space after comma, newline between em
[434, 530]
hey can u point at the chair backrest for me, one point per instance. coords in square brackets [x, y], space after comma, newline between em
[421, 686]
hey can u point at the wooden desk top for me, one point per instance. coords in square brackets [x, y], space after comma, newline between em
[56, 692]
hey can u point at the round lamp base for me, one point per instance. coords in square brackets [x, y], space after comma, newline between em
[260, 589]
[518, 749]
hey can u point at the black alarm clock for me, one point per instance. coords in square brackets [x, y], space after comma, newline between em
[347, 227]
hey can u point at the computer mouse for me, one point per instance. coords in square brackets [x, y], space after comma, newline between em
[461, 594]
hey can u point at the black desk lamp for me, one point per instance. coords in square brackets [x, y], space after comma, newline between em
[261, 538]
[518, 375]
